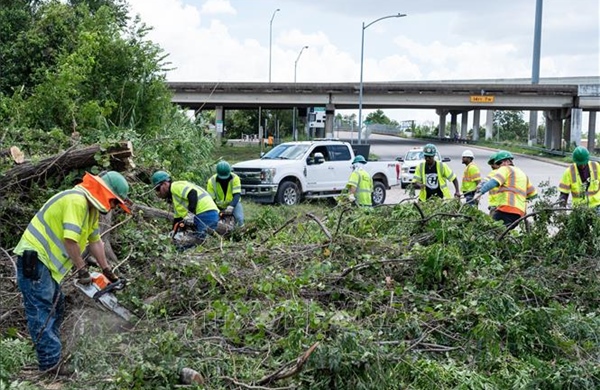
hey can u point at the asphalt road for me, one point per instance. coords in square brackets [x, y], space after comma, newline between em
[389, 147]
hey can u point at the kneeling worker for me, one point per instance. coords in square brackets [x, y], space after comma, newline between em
[225, 188]
[187, 197]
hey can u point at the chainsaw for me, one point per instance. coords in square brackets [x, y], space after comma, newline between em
[101, 291]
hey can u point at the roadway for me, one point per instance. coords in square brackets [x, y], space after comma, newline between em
[386, 147]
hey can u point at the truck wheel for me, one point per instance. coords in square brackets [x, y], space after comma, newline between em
[378, 195]
[288, 193]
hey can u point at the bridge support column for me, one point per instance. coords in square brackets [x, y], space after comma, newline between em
[575, 124]
[489, 125]
[453, 121]
[329, 118]
[533, 117]
[442, 126]
[219, 125]
[554, 129]
[591, 145]
[476, 119]
[464, 123]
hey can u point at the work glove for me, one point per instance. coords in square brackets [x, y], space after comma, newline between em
[189, 220]
[84, 277]
[110, 275]
[228, 210]
[352, 198]
[457, 195]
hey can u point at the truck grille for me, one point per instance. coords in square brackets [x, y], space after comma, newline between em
[248, 176]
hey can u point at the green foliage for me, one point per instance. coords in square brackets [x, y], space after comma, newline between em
[509, 125]
[14, 354]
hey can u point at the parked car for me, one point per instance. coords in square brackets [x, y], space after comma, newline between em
[410, 161]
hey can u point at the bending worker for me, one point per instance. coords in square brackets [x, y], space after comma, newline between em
[187, 197]
[360, 184]
[514, 189]
[471, 177]
[581, 179]
[432, 177]
[51, 246]
[225, 188]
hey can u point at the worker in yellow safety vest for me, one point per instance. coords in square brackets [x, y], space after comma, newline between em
[432, 177]
[493, 193]
[51, 246]
[187, 199]
[581, 179]
[225, 188]
[471, 177]
[360, 183]
[514, 190]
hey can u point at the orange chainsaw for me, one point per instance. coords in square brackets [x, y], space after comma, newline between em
[101, 291]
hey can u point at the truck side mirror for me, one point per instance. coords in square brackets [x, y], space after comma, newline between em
[401, 159]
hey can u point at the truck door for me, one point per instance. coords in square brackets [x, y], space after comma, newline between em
[318, 174]
[340, 165]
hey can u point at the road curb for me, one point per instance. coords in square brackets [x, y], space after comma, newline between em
[533, 157]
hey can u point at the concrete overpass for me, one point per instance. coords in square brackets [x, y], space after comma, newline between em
[560, 99]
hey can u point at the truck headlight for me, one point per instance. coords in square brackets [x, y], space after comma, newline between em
[267, 175]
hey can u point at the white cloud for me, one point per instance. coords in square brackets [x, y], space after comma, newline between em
[215, 7]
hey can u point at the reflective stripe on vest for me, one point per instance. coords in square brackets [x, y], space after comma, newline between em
[572, 183]
[58, 264]
[513, 187]
[233, 187]
[179, 193]
[470, 178]
[441, 170]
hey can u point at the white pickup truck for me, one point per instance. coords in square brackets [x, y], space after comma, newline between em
[309, 169]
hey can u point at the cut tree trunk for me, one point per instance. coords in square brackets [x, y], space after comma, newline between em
[15, 153]
[63, 163]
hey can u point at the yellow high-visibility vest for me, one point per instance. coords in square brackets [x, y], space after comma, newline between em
[66, 215]
[216, 192]
[571, 183]
[514, 188]
[471, 177]
[361, 179]
[179, 193]
[444, 174]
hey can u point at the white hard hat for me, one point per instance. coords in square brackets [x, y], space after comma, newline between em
[468, 153]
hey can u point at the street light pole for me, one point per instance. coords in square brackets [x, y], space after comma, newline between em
[294, 131]
[271, 40]
[362, 55]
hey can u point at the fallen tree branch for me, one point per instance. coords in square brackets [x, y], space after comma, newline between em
[514, 224]
[289, 369]
[318, 221]
[65, 162]
[368, 264]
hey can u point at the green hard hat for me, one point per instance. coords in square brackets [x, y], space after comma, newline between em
[117, 183]
[581, 155]
[429, 150]
[503, 155]
[159, 177]
[359, 159]
[223, 170]
[492, 159]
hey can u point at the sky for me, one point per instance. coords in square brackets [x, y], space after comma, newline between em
[235, 40]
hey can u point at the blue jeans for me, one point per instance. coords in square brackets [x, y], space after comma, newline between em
[43, 317]
[206, 219]
[238, 214]
[469, 197]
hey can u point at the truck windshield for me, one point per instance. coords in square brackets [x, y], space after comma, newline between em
[414, 156]
[287, 152]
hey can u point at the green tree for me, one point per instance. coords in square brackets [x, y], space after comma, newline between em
[80, 70]
[511, 125]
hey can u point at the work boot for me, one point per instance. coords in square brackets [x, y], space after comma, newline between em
[61, 369]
